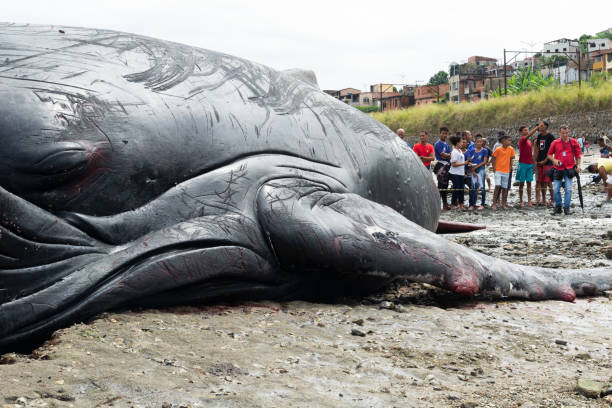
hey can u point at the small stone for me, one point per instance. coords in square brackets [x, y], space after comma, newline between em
[589, 388]
[583, 356]
[399, 309]
[469, 404]
[385, 305]
[357, 332]
[358, 322]
[594, 216]
[607, 390]
[561, 342]
[166, 405]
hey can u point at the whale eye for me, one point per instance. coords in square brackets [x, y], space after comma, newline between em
[54, 164]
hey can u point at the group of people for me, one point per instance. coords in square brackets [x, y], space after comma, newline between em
[463, 161]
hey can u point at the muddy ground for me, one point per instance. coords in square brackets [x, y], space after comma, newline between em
[411, 346]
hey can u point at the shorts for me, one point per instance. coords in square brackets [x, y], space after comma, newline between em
[609, 180]
[501, 179]
[524, 173]
[542, 178]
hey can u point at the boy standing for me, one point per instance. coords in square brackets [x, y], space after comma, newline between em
[502, 164]
[524, 172]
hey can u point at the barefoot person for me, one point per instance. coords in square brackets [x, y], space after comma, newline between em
[503, 157]
[424, 150]
[478, 172]
[524, 172]
[442, 152]
[543, 164]
[457, 172]
[603, 167]
[565, 155]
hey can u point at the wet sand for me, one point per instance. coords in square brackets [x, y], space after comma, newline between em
[410, 346]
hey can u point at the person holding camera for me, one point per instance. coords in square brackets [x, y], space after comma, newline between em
[565, 156]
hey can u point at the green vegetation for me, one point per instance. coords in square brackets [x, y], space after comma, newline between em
[440, 78]
[526, 79]
[368, 108]
[546, 102]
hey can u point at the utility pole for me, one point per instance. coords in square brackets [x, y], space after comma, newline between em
[380, 100]
[505, 77]
[579, 66]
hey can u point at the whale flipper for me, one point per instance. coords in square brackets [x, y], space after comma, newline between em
[310, 228]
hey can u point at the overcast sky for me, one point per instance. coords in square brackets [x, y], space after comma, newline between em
[347, 43]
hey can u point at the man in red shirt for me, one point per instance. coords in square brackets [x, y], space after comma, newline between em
[424, 150]
[524, 172]
[565, 155]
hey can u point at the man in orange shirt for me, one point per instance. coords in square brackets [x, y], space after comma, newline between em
[424, 150]
[502, 164]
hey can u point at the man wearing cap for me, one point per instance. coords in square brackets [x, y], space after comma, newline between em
[543, 163]
[564, 153]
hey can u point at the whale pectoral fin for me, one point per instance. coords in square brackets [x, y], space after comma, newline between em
[450, 227]
[37, 248]
[310, 229]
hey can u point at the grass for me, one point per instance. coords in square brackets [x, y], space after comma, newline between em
[557, 100]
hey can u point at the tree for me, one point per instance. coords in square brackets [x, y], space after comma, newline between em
[440, 78]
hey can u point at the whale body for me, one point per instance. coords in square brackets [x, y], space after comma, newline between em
[141, 172]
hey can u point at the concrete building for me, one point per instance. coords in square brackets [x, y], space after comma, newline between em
[600, 61]
[426, 94]
[598, 44]
[382, 88]
[529, 62]
[395, 102]
[561, 46]
[482, 61]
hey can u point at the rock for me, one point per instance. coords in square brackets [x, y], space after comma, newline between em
[358, 322]
[400, 309]
[166, 405]
[607, 390]
[589, 388]
[561, 342]
[469, 404]
[357, 332]
[607, 251]
[385, 305]
[594, 216]
[608, 399]
[583, 356]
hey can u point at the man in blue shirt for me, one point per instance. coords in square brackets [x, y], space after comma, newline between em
[478, 172]
[442, 152]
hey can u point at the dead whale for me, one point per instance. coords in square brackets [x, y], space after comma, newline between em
[140, 172]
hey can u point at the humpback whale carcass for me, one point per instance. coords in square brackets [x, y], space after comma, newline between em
[140, 172]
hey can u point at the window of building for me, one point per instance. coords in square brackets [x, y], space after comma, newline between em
[564, 49]
[366, 100]
[609, 57]
[556, 50]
